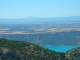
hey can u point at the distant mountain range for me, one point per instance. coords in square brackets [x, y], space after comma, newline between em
[55, 19]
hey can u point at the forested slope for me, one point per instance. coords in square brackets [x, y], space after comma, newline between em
[20, 50]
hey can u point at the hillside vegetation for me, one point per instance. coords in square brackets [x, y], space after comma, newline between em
[73, 54]
[20, 50]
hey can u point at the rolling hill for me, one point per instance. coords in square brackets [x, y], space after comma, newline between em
[20, 50]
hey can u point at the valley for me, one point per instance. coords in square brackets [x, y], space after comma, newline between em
[45, 33]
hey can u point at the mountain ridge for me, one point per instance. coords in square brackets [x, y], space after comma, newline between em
[53, 19]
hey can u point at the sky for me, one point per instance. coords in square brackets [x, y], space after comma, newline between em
[39, 8]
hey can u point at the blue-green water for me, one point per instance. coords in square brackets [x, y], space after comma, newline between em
[60, 48]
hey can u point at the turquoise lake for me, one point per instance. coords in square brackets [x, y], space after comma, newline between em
[60, 48]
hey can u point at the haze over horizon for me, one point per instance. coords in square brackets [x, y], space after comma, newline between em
[15, 9]
[34, 19]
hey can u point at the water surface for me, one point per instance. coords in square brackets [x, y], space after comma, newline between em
[60, 48]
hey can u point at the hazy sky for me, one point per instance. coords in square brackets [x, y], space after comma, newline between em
[39, 8]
